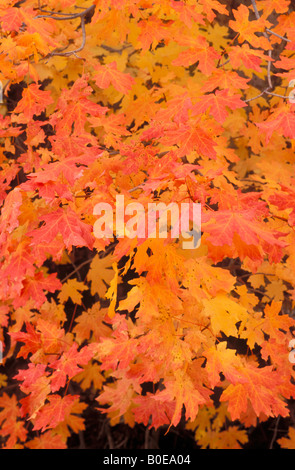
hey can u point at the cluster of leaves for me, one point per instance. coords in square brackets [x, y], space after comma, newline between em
[171, 101]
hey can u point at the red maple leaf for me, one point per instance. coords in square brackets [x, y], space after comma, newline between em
[217, 103]
[108, 74]
[54, 412]
[35, 288]
[66, 223]
[33, 101]
[67, 365]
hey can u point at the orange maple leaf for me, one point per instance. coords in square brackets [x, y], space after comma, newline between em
[109, 74]
[33, 101]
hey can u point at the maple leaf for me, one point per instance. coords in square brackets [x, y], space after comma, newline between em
[151, 412]
[71, 289]
[268, 6]
[92, 323]
[202, 53]
[281, 121]
[247, 29]
[116, 353]
[289, 441]
[3, 380]
[109, 74]
[73, 422]
[12, 19]
[189, 13]
[4, 311]
[10, 408]
[9, 421]
[285, 199]
[224, 313]
[67, 365]
[30, 375]
[259, 386]
[152, 32]
[246, 56]
[120, 394]
[229, 81]
[31, 338]
[33, 101]
[274, 323]
[54, 412]
[221, 360]
[11, 211]
[189, 138]
[90, 376]
[66, 167]
[182, 391]
[73, 108]
[112, 291]
[68, 224]
[241, 222]
[36, 386]
[47, 440]
[208, 8]
[177, 109]
[100, 274]
[52, 336]
[35, 288]
[21, 262]
[217, 104]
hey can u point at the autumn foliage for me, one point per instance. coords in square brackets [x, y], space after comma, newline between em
[171, 101]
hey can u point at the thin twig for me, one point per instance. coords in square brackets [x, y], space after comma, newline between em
[255, 9]
[68, 53]
[268, 69]
[267, 37]
[224, 63]
[275, 94]
[278, 35]
[109, 436]
[256, 274]
[146, 436]
[135, 188]
[66, 16]
[258, 96]
[88, 261]
[275, 433]
[59, 16]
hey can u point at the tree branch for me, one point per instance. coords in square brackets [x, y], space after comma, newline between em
[278, 35]
[270, 50]
[258, 96]
[65, 16]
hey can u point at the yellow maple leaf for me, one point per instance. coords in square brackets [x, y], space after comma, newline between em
[112, 292]
[3, 380]
[224, 314]
[288, 443]
[71, 289]
[90, 376]
[100, 274]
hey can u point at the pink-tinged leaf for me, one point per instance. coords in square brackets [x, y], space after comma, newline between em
[67, 365]
[36, 287]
